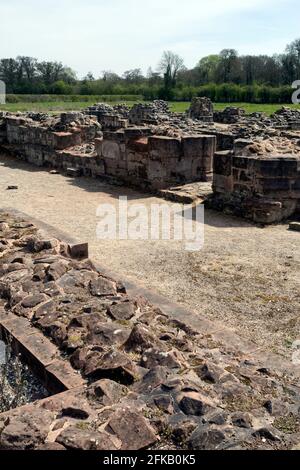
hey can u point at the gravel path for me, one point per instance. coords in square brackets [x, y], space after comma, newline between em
[245, 276]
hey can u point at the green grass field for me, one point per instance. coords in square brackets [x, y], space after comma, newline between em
[57, 106]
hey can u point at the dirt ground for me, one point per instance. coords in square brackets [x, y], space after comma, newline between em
[245, 276]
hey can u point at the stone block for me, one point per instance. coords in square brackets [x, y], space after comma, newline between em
[63, 140]
[162, 148]
[222, 163]
[79, 251]
[110, 150]
[60, 376]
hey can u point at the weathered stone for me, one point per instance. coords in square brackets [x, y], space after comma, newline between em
[107, 334]
[140, 339]
[79, 251]
[295, 226]
[112, 365]
[48, 446]
[276, 407]
[33, 300]
[205, 396]
[75, 412]
[210, 373]
[182, 430]
[267, 433]
[206, 438]
[194, 403]
[154, 357]
[242, 420]
[122, 310]
[153, 379]
[41, 245]
[216, 417]
[56, 270]
[107, 392]
[102, 287]
[46, 308]
[25, 430]
[79, 357]
[89, 320]
[164, 403]
[75, 438]
[132, 429]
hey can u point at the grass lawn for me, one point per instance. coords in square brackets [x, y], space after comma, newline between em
[249, 107]
[56, 106]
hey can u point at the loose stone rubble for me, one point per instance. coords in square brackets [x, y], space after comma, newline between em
[229, 115]
[201, 109]
[151, 382]
[252, 160]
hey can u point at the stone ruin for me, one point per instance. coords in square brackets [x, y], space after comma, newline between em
[201, 109]
[229, 115]
[263, 189]
[110, 117]
[75, 143]
[149, 113]
[122, 373]
[253, 160]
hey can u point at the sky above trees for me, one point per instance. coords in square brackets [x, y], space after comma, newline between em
[96, 35]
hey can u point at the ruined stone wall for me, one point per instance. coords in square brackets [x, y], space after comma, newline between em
[229, 115]
[267, 189]
[132, 155]
[156, 162]
[201, 109]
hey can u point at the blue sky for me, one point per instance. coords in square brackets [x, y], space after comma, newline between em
[96, 35]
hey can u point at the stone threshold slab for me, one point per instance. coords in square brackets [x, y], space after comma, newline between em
[39, 353]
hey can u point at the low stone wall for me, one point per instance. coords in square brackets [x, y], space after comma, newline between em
[131, 155]
[229, 115]
[266, 189]
[201, 109]
[156, 162]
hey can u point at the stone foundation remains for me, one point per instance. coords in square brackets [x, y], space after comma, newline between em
[127, 375]
[256, 176]
[266, 190]
[76, 144]
[201, 109]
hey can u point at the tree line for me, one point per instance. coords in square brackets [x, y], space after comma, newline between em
[226, 76]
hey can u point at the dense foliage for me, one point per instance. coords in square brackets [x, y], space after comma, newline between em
[226, 77]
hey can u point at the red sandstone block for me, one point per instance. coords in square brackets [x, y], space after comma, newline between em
[63, 140]
[161, 147]
[79, 251]
[61, 376]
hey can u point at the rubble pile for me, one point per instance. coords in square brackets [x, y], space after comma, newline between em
[110, 117]
[268, 146]
[229, 115]
[286, 116]
[150, 381]
[201, 109]
[149, 113]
